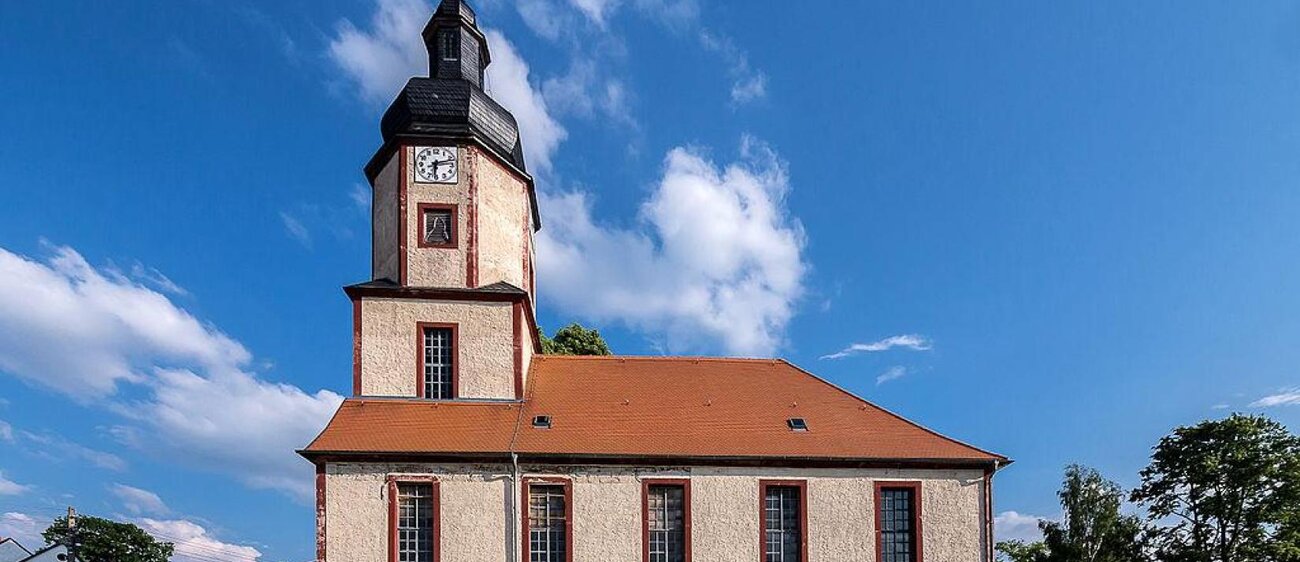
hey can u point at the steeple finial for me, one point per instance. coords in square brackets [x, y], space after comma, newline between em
[457, 49]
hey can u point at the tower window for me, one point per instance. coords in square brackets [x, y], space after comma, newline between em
[667, 534]
[438, 226]
[449, 45]
[437, 361]
[415, 529]
[897, 515]
[548, 523]
[783, 519]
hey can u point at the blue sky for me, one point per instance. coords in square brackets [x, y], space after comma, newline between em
[1054, 230]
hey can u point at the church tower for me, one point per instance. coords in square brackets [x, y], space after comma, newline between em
[448, 312]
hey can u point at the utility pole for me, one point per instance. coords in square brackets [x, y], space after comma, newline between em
[72, 538]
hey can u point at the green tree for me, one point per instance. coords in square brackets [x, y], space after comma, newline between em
[1094, 529]
[574, 340]
[102, 540]
[1224, 491]
[1021, 551]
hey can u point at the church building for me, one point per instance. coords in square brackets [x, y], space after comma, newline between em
[461, 442]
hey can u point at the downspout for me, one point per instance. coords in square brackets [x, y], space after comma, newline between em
[516, 496]
[991, 546]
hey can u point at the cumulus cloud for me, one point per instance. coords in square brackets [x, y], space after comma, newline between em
[1285, 397]
[10, 488]
[508, 82]
[200, 404]
[1010, 525]
[120, 327]
[893, 373]
[913, 342]
[195, 544]
[138, 501]
[714, 254]
[596, 10]
[383, 57]
[584, 93]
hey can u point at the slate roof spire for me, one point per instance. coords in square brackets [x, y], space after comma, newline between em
[457, 49]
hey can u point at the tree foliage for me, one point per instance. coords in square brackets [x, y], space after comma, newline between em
[1224, 491]
[103, 540]
[574, 340]
[1094, 529]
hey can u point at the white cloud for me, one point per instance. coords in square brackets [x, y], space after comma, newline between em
[23, 528]
[508, 83]
[6, 432]
[913, 342]
[748, 83]
[195, 544]
[596, 10]
[156, 279]
[360, 196]
[10, 488]
[138, 501]
[296, 229]
[1285, 397]
[1010, 525]
[66, 326]
[201, 405]
[893, 373]
[582, 92]
[55, 447]
[381, 59]
[715, 255]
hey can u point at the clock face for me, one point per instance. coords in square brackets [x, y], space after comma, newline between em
[435, 164]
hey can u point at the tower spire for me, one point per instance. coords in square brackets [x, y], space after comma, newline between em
[457, 49]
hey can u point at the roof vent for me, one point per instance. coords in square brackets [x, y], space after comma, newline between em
[797, 424]
[542, 422]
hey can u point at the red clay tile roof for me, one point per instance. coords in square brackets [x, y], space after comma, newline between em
[672, 407]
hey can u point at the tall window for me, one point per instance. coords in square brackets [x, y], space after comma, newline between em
[438, 364]
[665, 525]
[898, 524]
[415, 534]
[782, 524]
[547, 523]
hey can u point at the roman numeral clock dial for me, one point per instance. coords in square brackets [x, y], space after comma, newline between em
[436, 164]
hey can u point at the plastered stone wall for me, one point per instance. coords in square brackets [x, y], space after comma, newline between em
[473, 517]
[389, 345]
[504, 222]
[607, 511]
[383, 216]
[437, 267]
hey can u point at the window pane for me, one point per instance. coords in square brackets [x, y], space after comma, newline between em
[437, 363]
[437, 226]
[415, 540]
[897, 536]
[665, 510]
[782, 535]
[546, 523]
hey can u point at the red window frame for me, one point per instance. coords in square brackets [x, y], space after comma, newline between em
[419, 357]
[393, 508]
[568, 513]
[802, 485]
[455, 225]
[645, 513]
[917, 534]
